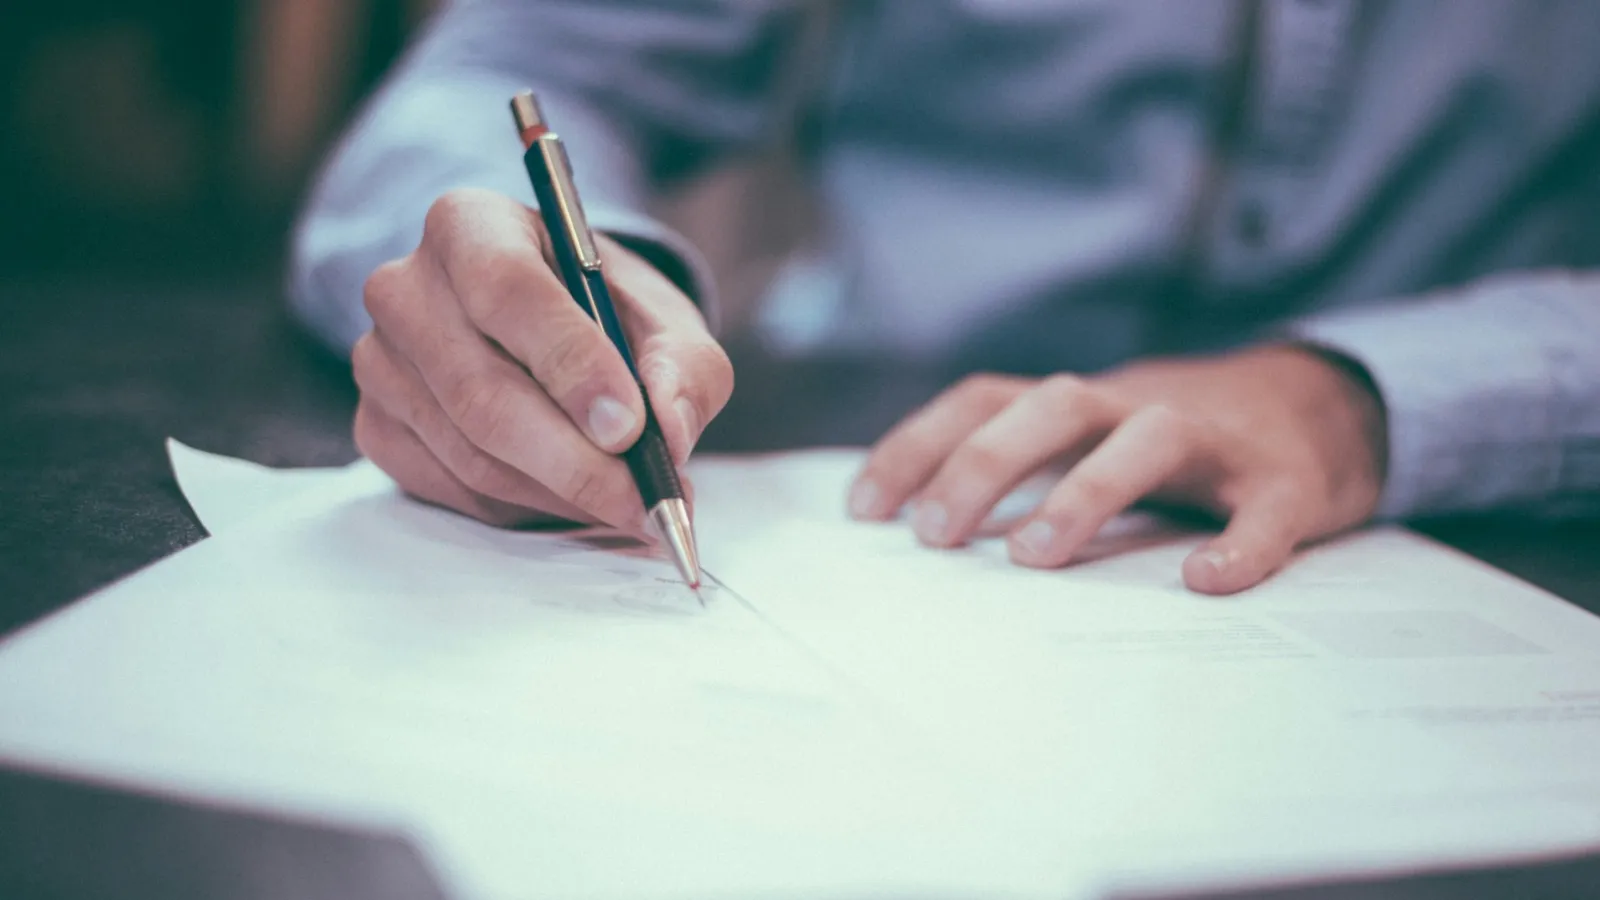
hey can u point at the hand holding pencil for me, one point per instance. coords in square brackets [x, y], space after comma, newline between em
[486, 389]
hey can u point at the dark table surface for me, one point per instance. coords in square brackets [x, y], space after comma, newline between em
[95, 375]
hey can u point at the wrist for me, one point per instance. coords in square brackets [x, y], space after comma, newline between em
[1346, 412]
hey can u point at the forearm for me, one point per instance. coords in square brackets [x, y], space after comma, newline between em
[441, 123]
[370, 203]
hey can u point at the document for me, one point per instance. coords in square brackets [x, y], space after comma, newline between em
[548, 714]
[1379, 694]
[848, 714]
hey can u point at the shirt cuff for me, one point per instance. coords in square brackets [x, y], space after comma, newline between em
[670, 252]
[1470, 405]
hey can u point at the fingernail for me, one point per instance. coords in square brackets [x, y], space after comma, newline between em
[1035, 538]
[1216, 560]
[929, 522]
[864, 499]
[691, 425]
[610, 421]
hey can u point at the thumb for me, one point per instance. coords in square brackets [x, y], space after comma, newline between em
[1258, 539]
[689, 382]
[686, 373]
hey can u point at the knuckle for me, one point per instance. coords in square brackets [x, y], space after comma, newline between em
[382, 292]
[1168, 424]
[590, 490]
[455, 218]
[445, 213]
[712, 369]
[418, 409]
[478, 472]
[497, 299]
[980, 459]
[1064, 390]
[363, 430]
[571, 357]
[507, 275]
[989, 390]
[979, 387]
[896, 459]
[480, 408]
[1095, 492]
[1064, 384]
[1295, 489]
[363, 362]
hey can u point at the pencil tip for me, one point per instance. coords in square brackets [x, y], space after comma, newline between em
[670, 519]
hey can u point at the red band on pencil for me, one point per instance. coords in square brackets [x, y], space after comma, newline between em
[533, 133]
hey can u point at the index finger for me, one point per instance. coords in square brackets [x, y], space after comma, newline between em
[496, 407]
[909, 455]
[492, 252]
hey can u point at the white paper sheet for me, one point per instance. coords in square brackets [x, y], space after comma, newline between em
[224, 491]
[1382, 695]
[552, 716]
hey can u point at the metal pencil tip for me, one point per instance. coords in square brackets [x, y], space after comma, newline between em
[670, 519]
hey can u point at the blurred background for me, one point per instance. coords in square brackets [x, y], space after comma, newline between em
[167, 140]
[153, 155]
[163, 137]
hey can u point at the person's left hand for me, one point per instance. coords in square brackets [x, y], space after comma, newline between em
[1286, 445]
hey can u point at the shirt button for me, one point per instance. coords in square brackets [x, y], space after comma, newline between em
[1250, 223]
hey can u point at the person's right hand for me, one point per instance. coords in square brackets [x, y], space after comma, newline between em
[486, 389]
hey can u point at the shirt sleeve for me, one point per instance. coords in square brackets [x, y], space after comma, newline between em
[641, 92]
[1491, 392]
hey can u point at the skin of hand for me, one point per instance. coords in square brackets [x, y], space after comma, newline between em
[1283, 441]
[486, 389]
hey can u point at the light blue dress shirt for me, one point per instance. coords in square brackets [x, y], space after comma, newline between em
[1038, 185]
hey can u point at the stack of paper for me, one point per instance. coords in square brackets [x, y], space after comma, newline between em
[847, 715]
